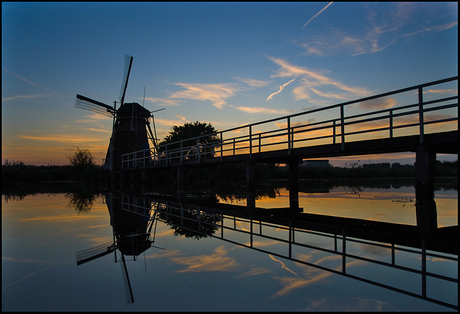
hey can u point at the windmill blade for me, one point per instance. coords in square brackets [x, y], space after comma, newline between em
[86, 103]
[124, 82]
[128, 289]
[94, 252]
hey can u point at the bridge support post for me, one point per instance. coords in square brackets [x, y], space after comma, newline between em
[425, 174]
[294, 184]
[250, 180]
[180, 178]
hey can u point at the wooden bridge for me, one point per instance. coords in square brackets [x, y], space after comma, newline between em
[397, 121]
[422, 119]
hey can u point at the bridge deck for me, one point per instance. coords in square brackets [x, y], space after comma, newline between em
[443, 142]
[425, 114]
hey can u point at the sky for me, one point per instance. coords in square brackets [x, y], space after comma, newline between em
[227, 64]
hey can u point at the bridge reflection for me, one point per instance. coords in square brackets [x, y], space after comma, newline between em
[300, 234]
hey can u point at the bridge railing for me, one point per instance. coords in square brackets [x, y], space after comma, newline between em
[416, 110]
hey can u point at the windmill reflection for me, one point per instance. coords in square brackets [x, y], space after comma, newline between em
[132, 220]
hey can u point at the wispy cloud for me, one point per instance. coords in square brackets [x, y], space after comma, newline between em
[164, 101]
[60, 138]
[30, 82]
[262, 110]
[435, 28]
[441, 91]
[22, 97]
[283, 266]
[280, 90]
[380, 103]
[181, 117]
[317, 14]
[312, 81]
[167, 122]
[216, 93]
[98, 130]
[29, 275]
[381, 28]
[253, 83]
[218, 261]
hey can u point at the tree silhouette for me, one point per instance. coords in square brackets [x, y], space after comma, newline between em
[187, 133]
[82, 157]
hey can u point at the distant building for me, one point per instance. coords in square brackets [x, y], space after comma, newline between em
[315, 163]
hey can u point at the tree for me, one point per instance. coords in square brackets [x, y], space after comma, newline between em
[187, 135]
[82, 157]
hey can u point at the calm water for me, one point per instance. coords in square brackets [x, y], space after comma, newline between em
[197, 260]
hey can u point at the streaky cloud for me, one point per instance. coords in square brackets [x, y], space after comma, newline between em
[216, 93]
[281, 89]
[30, 82]
[317, 14]
[262, 110]
[311, 79]
[164, 101]
[22, 97]
[436, 28]
[253, 82]
[60, 138]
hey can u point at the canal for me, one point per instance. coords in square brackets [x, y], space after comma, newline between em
[80, 251]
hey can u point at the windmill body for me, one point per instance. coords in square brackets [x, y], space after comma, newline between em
[131, 128]
[130, 133]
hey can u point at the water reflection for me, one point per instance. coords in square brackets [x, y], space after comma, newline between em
[268, 258]
[132, 220]
[332, 244]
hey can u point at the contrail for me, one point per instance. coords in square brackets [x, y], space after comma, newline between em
[30, 82]
[317, 14]
[281, 88]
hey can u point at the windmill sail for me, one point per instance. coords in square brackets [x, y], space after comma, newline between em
[94, 252]
[86, 103]
[124, 82]
[128, 290]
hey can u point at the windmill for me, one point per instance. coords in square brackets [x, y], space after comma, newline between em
[131, 125]
[132, 221]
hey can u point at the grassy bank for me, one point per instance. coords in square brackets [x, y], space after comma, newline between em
[19, 172]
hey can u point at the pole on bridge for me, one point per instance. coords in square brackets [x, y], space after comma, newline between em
[425, 174]
[294, 184]
[251, 184]
[180, 178]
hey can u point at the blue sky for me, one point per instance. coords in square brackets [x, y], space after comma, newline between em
[222, 63]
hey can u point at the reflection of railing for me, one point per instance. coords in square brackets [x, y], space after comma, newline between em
[296, 239]
[335, 124]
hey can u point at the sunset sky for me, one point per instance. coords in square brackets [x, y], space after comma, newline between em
[227, 64]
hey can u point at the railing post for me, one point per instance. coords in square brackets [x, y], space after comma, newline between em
[181, 147]
[333, 132]
[342, 126]
[234, 146]
[260, 141]
[289, 134]
[250, 140]
[420, 115]
[221, 146]
[391, 123]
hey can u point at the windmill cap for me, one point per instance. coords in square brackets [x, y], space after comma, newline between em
[126, 110]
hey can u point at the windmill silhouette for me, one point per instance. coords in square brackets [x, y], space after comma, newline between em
[131, 129]
[132, 220]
